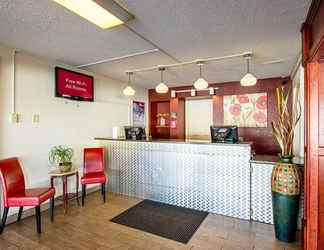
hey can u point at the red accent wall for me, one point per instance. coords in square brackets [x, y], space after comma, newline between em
[178, 106]
[262, 138]
[155, 108]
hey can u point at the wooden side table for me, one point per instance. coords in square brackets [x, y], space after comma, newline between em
[64, 175]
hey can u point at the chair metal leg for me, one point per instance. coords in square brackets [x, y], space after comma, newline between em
[83, 194]
[103, 190]
[77, 187]
[4, 219]
[38, 219]
[20, 213]
[65, 193]
[52, 209]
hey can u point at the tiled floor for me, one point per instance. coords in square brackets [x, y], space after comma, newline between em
[90, 228]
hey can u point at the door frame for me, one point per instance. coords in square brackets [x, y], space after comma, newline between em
[313, 58]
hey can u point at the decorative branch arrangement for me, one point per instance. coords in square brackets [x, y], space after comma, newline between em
[284, 128]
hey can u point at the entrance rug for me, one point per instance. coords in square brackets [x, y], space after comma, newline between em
[168, 221]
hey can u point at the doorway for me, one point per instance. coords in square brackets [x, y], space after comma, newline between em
[199, 118]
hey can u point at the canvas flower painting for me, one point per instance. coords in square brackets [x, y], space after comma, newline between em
[249, 110]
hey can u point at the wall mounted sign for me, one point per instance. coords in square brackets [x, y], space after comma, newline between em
[249, 110]
[173, 119]
[138, 113]
[73, 85]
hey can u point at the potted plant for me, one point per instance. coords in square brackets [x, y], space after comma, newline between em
[61, 156]
[285, 179]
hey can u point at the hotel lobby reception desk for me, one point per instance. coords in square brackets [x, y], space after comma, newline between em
[213, 177]
[200, 175]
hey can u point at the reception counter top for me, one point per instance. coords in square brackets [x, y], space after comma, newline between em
[204, 142]
[273, 159]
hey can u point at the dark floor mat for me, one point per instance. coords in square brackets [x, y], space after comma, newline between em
[172, 222]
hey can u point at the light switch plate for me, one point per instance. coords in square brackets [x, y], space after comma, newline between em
[35, 118]
[14, 118]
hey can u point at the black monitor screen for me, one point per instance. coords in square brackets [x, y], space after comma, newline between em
[135, 133]
[224, 134]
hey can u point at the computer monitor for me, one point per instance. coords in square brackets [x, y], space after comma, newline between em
[135, 133]
[227, 134]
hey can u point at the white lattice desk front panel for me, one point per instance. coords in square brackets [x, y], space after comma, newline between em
[208, 177]
[261, 199]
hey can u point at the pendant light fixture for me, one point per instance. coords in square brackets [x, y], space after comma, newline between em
[248, 79]
[129, 91]
[161, 88]
[200, 83]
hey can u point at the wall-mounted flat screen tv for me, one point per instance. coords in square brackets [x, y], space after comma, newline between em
[73, 85]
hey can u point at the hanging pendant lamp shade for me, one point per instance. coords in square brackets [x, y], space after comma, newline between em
[161, 88]
[248, 79]
[129, 91]
[200, 83]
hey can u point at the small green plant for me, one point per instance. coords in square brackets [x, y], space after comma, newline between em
[61, 155]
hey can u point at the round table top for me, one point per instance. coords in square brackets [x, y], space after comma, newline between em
[57, 172]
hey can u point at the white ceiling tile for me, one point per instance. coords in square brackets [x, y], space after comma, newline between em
[186, 29]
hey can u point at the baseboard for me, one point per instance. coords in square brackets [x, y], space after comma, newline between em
[45, 206]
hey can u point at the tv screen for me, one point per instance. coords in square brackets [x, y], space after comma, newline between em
[73, 85]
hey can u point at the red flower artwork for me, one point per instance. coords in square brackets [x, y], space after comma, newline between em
[235, 109]
[260, 117]
[243, 98]
[261, 102]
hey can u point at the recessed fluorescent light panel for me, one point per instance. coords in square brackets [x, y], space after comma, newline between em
[103, 13]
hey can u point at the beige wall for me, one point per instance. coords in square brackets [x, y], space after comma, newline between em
[62, 122]
[300, 128]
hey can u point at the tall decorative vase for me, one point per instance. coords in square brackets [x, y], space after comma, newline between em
[285, 185]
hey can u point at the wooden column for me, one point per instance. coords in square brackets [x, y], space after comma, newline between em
[177, 108]
[312, 166]
[313, 54]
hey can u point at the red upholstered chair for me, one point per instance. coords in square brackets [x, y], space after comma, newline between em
[93, 170]
[16, 195]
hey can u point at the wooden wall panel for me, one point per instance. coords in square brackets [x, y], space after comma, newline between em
[321, 184]
[321, 201]
[218, 118]
[152, 121]
[178, 106]
[321, 104]
[321, 231]
[317, 28]
[312, 161]
[262, 138]
[321, 153]
[155, 108]
[313, 52]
